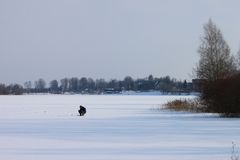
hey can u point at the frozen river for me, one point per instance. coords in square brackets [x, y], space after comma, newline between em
[47, 127]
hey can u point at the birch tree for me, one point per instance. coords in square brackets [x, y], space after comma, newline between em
[216, 61]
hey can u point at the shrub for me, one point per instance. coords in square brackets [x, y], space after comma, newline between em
[223, 96]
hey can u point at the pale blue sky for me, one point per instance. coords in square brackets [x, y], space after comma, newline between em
[53, 39]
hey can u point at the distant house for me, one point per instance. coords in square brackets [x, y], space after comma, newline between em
[111, 91]
[197, 84]
[189, 87]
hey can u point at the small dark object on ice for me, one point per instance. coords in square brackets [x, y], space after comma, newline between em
[82, 110]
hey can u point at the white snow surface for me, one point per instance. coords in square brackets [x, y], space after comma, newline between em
[115, 127]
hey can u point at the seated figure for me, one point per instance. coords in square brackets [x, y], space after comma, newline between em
[82, 110]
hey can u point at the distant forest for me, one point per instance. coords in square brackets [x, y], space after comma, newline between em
[99, 86]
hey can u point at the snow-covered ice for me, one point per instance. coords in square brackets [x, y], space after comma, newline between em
[116, 127]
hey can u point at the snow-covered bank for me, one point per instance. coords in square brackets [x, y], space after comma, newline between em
[115, 127]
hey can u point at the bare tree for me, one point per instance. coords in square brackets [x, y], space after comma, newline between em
[91, 84]
[215, 62]
[73, 84]
[100, 84]
[15, 89]
[28, 86]
[83, 84]
[40, 85]
[3, 89]
[53, 85]
[64, 84]
[238, 59]
[128, 83]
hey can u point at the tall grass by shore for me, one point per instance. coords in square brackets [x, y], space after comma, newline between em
[189, 105]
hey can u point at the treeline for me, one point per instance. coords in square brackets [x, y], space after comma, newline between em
[90, 86]
[14, 89]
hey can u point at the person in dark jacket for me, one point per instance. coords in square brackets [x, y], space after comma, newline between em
[82, 110]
